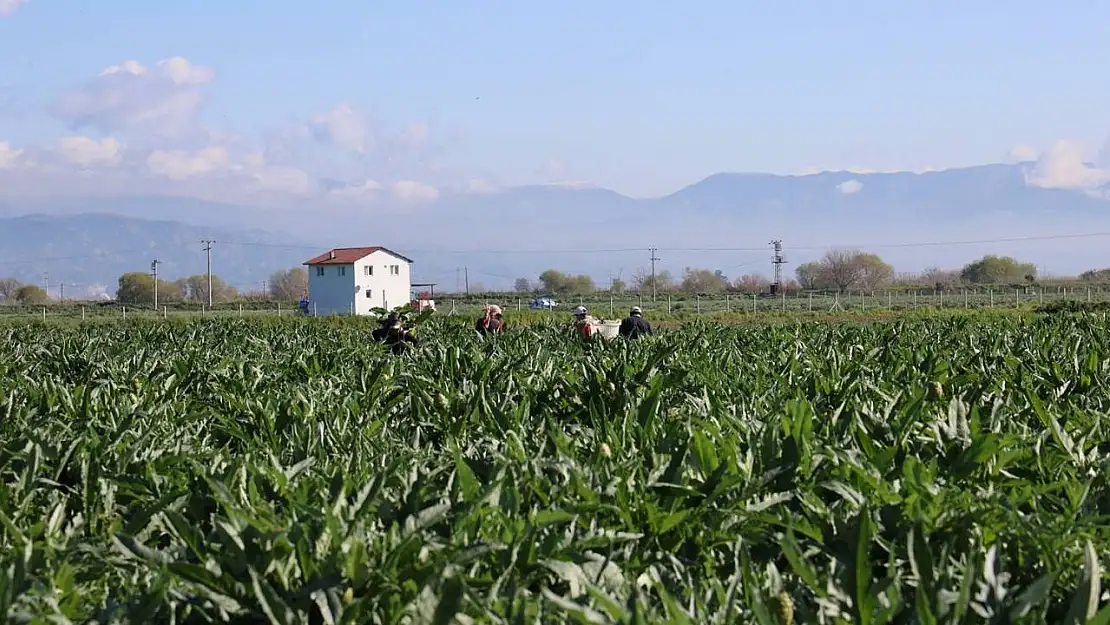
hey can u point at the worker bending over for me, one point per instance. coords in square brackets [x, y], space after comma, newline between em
[491, 321]
[635, 326]
[392, 334]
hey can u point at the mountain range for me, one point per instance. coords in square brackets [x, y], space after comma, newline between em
[723, 222]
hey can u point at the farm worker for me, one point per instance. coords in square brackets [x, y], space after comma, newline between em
[490, 322]
[635, 325]
[393, 334]
[584, 322]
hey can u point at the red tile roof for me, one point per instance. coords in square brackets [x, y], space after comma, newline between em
[349, 255]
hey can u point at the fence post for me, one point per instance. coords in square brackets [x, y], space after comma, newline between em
[124, 312]
[610, 304]
[991, 292]
[44, 313]
[1017, 297]
[915, 299]
[965, 298]
[668, 304]
[889, 301]
[165, 312]
[753, 302]
[728, 306]
[241, 308]
[83, 310]
[811, 302]
[784, 301]
[313, 309]
[518, 303]
[697, 304]
[1040, 295]
[1088, 295]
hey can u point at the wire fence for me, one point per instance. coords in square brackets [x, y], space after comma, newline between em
[800, 301]
[617, 305]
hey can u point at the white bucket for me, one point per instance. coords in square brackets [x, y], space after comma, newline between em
[607, 329]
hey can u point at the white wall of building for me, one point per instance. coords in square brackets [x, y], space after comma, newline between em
[377, 280]
[390, 285]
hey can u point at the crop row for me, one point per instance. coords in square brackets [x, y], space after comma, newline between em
[928, 470]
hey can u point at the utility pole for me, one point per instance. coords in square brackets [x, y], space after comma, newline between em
[154, 272]
[653, 259]
[208, 250]
[46, 282]
[62, 292]
[466, 278]
[778, 261]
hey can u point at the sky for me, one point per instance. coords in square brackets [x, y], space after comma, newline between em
[354, 101]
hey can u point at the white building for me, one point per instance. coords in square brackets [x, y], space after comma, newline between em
[357, 279]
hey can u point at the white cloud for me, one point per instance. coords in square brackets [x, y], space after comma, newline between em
[180, 165]
[848, 187]
[85, 152]
[158, 101]
[280, 179]
[412, 191]
[367, 191]
[9, 156]
[343, 128]
[1022, 153]
[1063, 166]
[7, 7]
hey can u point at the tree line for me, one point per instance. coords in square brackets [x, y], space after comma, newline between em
[837, 270]
[137, 287]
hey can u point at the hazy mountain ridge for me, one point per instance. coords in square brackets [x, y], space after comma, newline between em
[721, 211]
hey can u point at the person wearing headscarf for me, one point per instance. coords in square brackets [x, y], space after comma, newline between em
[491, 321]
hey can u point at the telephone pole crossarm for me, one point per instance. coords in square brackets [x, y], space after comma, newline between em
[654, 259]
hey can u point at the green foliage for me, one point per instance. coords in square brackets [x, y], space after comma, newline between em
[560, 283]
[136, 287]
[30, 294]
[932, 470]
[993, 269]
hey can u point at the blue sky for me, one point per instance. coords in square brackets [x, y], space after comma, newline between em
[640, 97]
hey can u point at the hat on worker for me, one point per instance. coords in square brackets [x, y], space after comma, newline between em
[636, 311]
[580, 311]
[494, 309]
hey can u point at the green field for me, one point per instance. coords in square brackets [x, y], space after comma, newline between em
[943, 469]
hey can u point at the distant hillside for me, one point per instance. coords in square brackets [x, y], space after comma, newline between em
[738, 212]
[88, 252]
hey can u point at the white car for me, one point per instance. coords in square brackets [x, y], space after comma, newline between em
[542, 303]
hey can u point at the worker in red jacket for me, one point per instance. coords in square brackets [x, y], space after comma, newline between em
[584, 323]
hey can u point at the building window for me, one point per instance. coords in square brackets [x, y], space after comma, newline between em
[394, 270]
[368, 270]
[319, 271]
[342, 271]
[369, 293]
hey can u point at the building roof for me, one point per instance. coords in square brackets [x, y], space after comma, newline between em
[348, 255]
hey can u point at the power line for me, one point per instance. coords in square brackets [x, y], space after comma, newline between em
[762, 249]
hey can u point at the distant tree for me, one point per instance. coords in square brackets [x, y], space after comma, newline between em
[852, 269]
[288, 285]
[31, 294]
[992, 269]
[523, 285]
[137, 287]
[8, 288]
[617, 286]
[809, 275]
[559, 283]
[195, 289]
[1095, 275]
[940, 278]
[751, 283]
[642, 281]
[702, 281]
